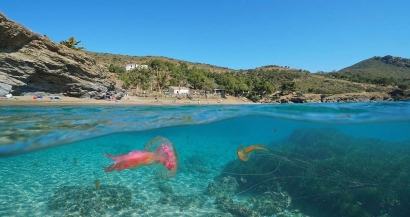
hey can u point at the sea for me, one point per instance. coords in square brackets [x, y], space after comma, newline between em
[320, 159]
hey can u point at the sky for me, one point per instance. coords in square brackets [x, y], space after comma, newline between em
[313, 35]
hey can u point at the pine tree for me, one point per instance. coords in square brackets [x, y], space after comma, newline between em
[71, 43]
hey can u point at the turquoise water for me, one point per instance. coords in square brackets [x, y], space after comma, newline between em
[322, 160]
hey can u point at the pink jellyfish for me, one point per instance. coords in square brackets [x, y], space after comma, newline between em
[159, 153]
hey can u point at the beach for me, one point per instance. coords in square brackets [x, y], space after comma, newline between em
[127, 100]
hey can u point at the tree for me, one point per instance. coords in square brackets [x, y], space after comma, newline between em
[116, 66]
[116, 69]
[71, 43]
[196, 78]
[162, 76]
[264, 88]
[136, 78]
[288, 86]
[209, 84]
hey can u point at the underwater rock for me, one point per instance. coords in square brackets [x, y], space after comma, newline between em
[270, 202]
[228, 205]
[165, 188]
[87, 201]
[184, 202]
[222, 186]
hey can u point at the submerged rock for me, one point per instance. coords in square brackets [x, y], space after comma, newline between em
[228, 205]
[222, 186]
[184, 202]
[32, 63]
[165, 188]
[87, 201]
[270, 202]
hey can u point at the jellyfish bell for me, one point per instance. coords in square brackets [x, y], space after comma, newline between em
[241, 154]
[244, 153]
[167, 157]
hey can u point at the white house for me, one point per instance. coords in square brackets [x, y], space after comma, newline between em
[129, 67]
[178, 90]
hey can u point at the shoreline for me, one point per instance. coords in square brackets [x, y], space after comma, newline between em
[127, 100]
[172, 101]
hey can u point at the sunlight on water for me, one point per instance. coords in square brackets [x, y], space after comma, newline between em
[322, 160]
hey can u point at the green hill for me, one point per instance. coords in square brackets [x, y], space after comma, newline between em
[107, 59]
[387, 70]
[377, 74]
[305, 81]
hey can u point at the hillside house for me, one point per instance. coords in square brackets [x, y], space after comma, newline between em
[221, 92]
[130, 67]
[178, 90]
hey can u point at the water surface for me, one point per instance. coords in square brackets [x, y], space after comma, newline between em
[323, 160]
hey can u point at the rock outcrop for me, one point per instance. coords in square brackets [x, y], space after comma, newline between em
[346, 97]
[31, 64]
[358, 97]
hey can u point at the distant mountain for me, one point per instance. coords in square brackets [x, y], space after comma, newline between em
[387, 70]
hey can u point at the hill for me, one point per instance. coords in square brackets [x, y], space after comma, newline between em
[387, 70]
[304, 81]
[269, 83]
[107, 59]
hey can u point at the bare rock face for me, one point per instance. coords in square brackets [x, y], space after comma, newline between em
[31, 63]
[358, 97]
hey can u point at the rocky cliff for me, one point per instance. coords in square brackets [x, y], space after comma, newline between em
[31, 64]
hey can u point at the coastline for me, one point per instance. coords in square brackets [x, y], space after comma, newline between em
[172, 101]
[127, 100]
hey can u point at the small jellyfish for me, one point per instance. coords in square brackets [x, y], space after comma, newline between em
[243, 153]
[35, 164]
[97, 184]
[159, 153]
[75, 161]
[243, 180]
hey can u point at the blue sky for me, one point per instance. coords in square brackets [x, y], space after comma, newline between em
[314, 35]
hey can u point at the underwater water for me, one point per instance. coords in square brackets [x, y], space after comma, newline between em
[349, 159]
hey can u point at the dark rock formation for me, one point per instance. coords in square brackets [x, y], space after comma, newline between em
[400, 94]
[223, 186]
[345, 97]
[31, 64]
[228, 205]
[357, 97]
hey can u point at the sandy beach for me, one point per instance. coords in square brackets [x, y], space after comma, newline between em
[127, 100]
